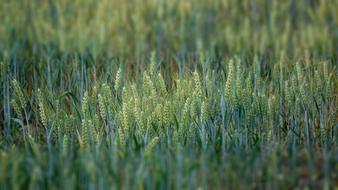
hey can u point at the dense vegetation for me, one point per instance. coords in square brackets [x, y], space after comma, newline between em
[133, 94]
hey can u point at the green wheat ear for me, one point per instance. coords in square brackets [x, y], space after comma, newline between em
[198, 86]
[85, 133]
[19, 93]
[166, 114]
[122, 137]
[229, 81]
[85, 103]
[162, 85]
[138, 115]
[125, 116]
[238, 84]
[58, 120]
[42, 109]
[204, 112]
[102, 107]
[118, 79]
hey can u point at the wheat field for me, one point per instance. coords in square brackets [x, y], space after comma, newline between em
[156, 94]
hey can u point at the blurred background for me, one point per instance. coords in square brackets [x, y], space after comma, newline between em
[135, 27]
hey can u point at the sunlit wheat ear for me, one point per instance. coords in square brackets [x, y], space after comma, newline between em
[194, 107]
[149, 86]
[151, 146]
[238, 84]
[229, 82]
[248, 83]
[85, 133]
[134, 91]
[146, 84]
[118, 79]
[138, 115]
[85, 103]
[19, 93]
[42, 109]
[102, 107]
[17, 110]
[125, 116]
[248, 90]
[94, 91]
[166, 114]
[93, 96]
[162, 85]
[122, 137]
[69, 124]
[325, 71]
[204, 112]
[58, 122]
[197, 82]
[92, 131]
[255, 101]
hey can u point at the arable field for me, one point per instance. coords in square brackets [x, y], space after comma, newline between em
[168, 94]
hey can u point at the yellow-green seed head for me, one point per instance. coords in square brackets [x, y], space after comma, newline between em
[102, 107]
[198, 86]
[229, 82]
[238, 85]
[122, 137]
[19, 93]
[42, 109]
[117, 79]
[85, 133]
[162, 85]
[204, 112]
[125, 116]
[166, 115]
[85, 103]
